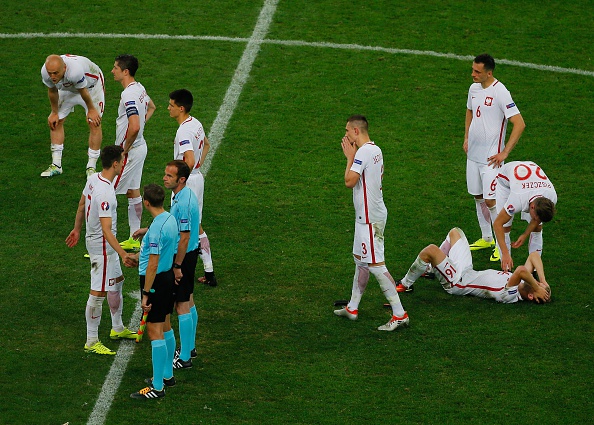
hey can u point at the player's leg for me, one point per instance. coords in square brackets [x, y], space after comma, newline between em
[99, 285]
[360, 242]
[476, 187]
[182, 306]
[66, 103]
[197, 185]
[134, 210]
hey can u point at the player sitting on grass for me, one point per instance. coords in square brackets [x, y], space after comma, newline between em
[452, 262]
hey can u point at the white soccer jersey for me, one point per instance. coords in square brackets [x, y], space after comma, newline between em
[134, 101]
[367, 193]
[491, 108]
[100, 201]
[519, 183]
[486, 284]
[80, 73]
[189, 137]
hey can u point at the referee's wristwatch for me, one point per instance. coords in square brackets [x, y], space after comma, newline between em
[176, 266]
[147, 293]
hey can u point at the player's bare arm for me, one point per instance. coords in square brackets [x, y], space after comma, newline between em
[149, 111]
[151, 273]
[189, 159]
[518, 128]
[532, 226]
[466, 128]
[132, 133]
[205, 150]
[140, 233]
[534, 262]
[53, 119]
[110, 238]
[74, 235]
[182, 248]
[93, 116]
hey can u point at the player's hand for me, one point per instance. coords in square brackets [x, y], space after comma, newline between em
[348, 148]
[131, 260]
[541, 295]
[72, 238]
[519, 242]
[496, 160]
[507, 264]
[139, 233]
[178, 275]
[93, 118]
[53, 120]
[465, 146]
[146, 307]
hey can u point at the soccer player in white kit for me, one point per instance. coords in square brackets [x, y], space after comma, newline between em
[452, 262]
[489, 108]
[98, 209]
[135, 109]
[191, 145]
[522, 187]
[364, 173]
[73, 80]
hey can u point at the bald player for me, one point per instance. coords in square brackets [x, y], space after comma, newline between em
[73, 80]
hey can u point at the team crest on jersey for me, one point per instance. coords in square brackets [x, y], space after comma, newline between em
[488, 101]
[510, 209]
[511, 105]
[105, 206]
[184, 142]
[358, 161]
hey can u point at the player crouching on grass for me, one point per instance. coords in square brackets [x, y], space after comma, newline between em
[155, 262]
[452, 262]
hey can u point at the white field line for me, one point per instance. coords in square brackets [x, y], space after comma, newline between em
[298, 43]
[114, 377]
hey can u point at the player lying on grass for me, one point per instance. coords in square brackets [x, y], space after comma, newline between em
[452, 262]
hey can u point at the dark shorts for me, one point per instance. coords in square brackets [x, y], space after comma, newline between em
[162, 299]
[186, 285]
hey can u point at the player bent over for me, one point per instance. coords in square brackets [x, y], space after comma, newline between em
[452, 262]
[98, 208]
[157, 284]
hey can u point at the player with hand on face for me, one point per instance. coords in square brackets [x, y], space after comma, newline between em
[73, 80]
[452, 262]
[364, 173]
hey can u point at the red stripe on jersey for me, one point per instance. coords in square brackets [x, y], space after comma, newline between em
[372, 247]
[501, 176]
[365, 206]
[501, 135]
[487, 288]
[104, 275]
[115, 185]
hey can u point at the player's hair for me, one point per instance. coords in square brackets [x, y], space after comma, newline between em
[183, 170]
[128, 62]
[110, 154]
[182, 97]
[154, 194]
[487, 61]
[544, 209]
[359, 121]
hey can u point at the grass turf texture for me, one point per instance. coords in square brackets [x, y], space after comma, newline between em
[280, 219]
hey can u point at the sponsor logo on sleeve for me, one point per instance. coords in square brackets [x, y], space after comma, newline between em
[184, 142]
[358, 161]
[81, 80]
[154, 245]
[129, 103]
[184, 221]
[511, 105]
[105, 206]
[511, 210]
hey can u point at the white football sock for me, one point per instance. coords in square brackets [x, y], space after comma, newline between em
[93, 157]
[536, 243]
[205, 252]
[414, 272]
[360, 280]
[93, 317]
[115, 299]
[57, 154]
[134, 214]
[388, 286]
[484, 219]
